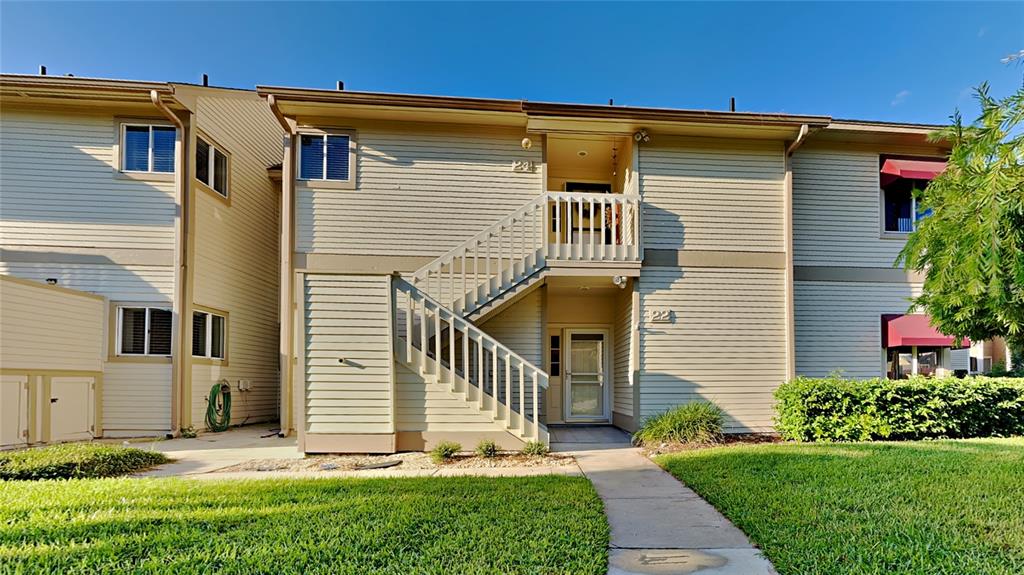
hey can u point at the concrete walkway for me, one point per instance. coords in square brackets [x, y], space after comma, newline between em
[212, 451]
[658, 525]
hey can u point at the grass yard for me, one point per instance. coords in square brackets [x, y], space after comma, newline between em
[931, 507]
[418, 525]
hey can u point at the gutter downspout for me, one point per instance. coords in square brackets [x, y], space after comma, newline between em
[801, 137]
[181, 363]
[291, 395]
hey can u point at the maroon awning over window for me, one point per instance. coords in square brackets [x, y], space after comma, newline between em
[911, 169]
[904, 330]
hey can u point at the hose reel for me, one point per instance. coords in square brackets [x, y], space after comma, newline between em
[218, 406]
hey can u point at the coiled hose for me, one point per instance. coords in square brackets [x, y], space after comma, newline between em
[218, 406]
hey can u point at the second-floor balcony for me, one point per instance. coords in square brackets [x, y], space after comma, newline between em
[592, 227]
[582, 233]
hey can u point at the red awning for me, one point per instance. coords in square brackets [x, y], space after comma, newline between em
[913, 169]
[901, 330]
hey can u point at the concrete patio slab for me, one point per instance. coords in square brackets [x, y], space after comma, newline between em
[213, 451]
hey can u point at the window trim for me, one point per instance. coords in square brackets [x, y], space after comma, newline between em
[213, 145]
[120, 125]
[208, 359]
[114, 353]
[353, 144]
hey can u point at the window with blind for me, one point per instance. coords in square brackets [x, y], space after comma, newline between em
[209, 335]
[143, 331]
[212, 167]
[325, 157]
[146, 148]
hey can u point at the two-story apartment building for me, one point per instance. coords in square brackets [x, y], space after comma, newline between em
[152, 200]
[419, 268]
[457, 268]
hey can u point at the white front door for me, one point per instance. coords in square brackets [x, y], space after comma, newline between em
[586, 365]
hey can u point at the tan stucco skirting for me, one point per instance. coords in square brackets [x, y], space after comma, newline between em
[714, 259]
[349, 443]
[426, 440]
[855, 274]
[625, 422]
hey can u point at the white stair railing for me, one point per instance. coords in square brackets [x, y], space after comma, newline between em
[442, 344]
[553, 226]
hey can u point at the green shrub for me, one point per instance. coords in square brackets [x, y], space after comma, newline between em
[696, 422]
[486, 448]
[76, 460]
[837, 409]
[535, 449]
[444, 451]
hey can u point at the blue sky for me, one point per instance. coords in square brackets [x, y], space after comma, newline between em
[910, 62]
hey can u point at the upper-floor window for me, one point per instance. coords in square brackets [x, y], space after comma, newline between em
[212, 166]
[901, 181]
[209, 334]
[147, 148]
[326, 157]
[143, 331]
[901, 215]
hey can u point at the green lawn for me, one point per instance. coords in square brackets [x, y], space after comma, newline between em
[935, 507]
[421, 525]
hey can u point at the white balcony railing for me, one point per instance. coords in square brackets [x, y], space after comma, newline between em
[553, 227]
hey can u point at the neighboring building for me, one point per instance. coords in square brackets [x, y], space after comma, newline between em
[459, 268]
[155, 197]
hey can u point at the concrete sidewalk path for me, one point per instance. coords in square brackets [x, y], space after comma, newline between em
[658, 525]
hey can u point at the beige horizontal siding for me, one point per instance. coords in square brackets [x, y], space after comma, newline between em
[836, 211]
[705, 194]
[47, 329]
[419, 192]
[134, 283]
[726, 342]
[348, 317]
[423, 406]
[236, 255]
[59, 186]
[838, 325]
[622, 391]
[136, 399]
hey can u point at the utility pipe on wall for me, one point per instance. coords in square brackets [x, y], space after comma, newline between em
[290, 398]
[180, 360]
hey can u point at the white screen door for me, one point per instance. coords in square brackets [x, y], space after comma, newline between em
[585, 376]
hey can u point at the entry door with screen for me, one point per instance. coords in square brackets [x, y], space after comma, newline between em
[585, 376]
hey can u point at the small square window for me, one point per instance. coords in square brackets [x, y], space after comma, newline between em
[325, 157]
[147, 148]
[212, 167]
[209, 335]
[144, 331]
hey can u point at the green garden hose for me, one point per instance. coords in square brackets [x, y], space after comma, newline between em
[218, 407]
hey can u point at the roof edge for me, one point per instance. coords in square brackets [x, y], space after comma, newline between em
[73, 82]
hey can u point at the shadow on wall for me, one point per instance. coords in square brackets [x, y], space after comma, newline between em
[662, 226]
[90, 273]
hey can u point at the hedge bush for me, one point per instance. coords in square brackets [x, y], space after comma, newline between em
[838, 409]
[76, 460]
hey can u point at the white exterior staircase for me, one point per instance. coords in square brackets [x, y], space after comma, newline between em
[433, 314]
